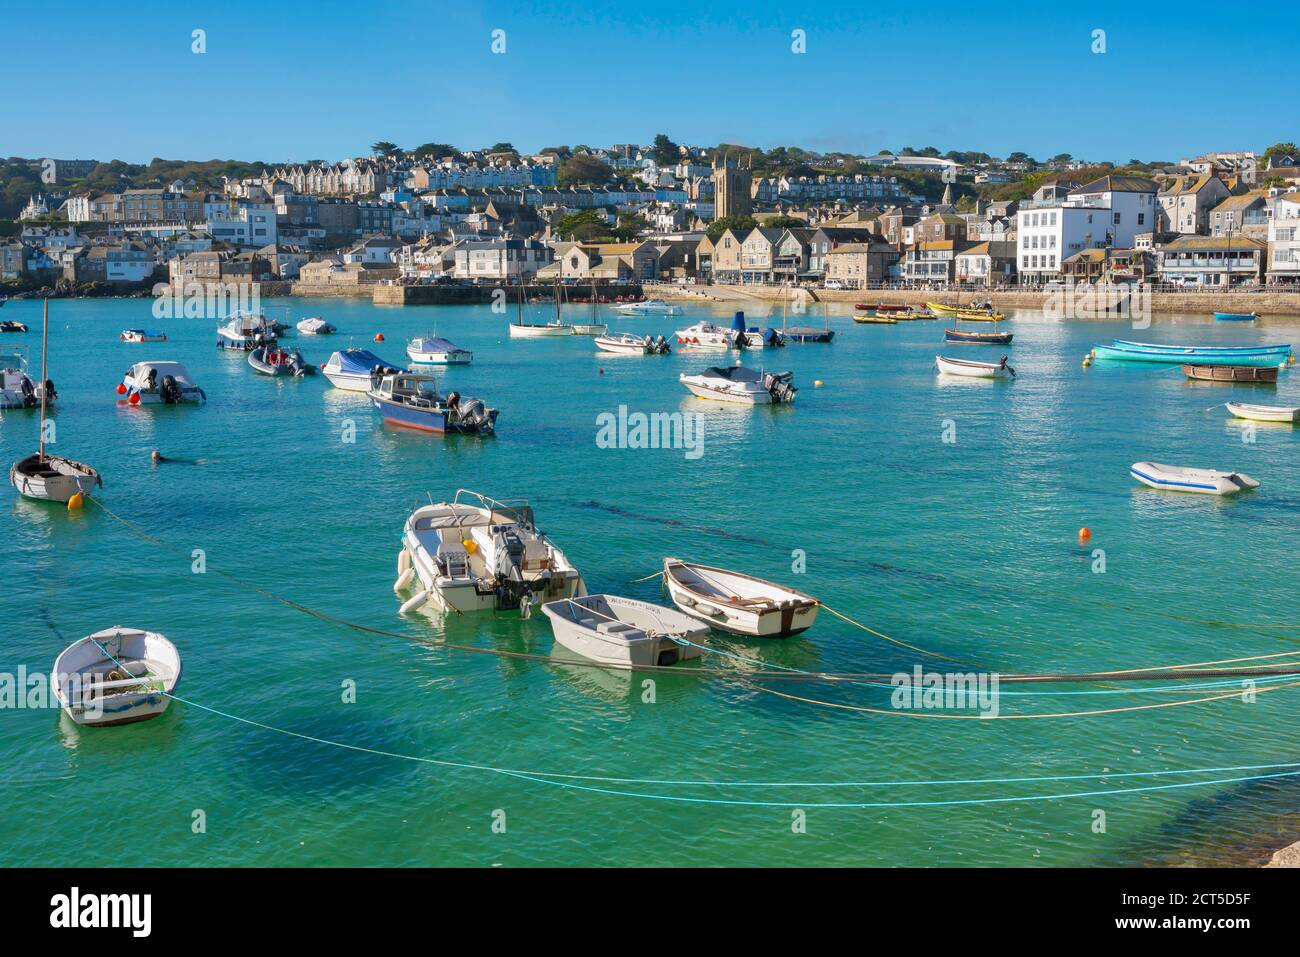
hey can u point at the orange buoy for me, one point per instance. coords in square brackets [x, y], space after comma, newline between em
[135, 398]
[121, 388]
[379, 337]
[75, 501]
[1085, 535]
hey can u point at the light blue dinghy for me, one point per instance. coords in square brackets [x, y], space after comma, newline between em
[1176, 478]
[1236, 316]
[1265, 355]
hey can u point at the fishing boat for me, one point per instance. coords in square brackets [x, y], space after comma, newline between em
[1176, 478]
[412, 400]
[867, 319]
[351, 369]
[159, 383]
[476, 554]
[1257, 356]
[1236, 316]
[648, 307]
[1263, 374]
[976, 370]
[274, 361]
[244, 332]
[978, 338]
[116, 676]
[12, 325]
[18, 390]
[739, 384]
[627, 343]
[51, 478]
[435, 350]
[737, 603]
[1264, 413]
[314, 326]
[142, 335]
[624, 632]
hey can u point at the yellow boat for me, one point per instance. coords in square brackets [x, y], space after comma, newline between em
[881, 320]
[939, 309]
[970, 315]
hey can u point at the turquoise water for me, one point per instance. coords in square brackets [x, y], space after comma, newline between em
[967, 548]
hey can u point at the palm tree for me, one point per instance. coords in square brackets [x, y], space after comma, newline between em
[385, 147]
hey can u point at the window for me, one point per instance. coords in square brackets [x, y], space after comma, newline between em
[1117, 219]
[1142, 218]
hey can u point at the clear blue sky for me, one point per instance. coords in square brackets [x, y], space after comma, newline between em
[296, 80]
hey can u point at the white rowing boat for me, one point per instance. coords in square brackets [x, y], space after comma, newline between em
[738, 603]
[623, 631]
[1176, 478]
[975, 370]
[1264, 413]
[116, 676]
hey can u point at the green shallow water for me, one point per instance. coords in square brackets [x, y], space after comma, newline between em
[966, 548]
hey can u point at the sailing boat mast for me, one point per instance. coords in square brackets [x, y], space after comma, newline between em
[45, 352]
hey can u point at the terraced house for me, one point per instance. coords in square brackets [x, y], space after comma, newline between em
[1284, 239]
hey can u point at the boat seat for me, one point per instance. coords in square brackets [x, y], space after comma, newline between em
[619, 629]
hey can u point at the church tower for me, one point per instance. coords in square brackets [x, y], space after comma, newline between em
[731, 190]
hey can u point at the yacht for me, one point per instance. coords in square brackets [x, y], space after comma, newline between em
[478, 554]
[648, 307]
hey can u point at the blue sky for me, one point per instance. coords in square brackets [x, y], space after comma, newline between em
[294, 80]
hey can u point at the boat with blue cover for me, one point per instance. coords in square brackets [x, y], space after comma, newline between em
[412, 400]
[437, 350]
[351, 369]
[1236, 316]
[1268, 355]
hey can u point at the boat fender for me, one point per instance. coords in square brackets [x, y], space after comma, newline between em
[526, 606]
[686, 600]
[403, 579]
[403, 561]
[414, 602]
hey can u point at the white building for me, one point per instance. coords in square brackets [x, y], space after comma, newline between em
[248, 224]
[1284, 239]
[500, 259]
[1108, 212]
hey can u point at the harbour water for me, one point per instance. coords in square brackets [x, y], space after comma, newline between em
[942, 513]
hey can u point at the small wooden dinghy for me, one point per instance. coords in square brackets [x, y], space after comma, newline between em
[976, 370]
[622, 631]
[979, 338]
[737, 603]
[1236, 316]
[1264, 413]
[116, 676]
[1230, 373]
[1176, 478]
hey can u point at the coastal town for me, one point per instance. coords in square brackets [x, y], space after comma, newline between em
[437, 218]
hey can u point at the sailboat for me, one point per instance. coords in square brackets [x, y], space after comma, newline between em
[957, 334]
[51, 478]
[593, 328]
[530, 330]
[804, 333]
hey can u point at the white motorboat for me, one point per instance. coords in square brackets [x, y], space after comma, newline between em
[351, 369]
[435, 349]
[244, 332]
[51, 478]
[1264, 413]
[142, 335]
[18, 390]
[314, 326]
[976, 370]
[623, 631]
[413, 400]
[626, 343]
[648, 307]
[737, 603]
[533, 330]
[705, 335]
[116, 676]
[159, 383]
[475, 553]
[739, 384]
[1176, 478]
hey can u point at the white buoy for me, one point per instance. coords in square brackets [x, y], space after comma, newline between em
[414, 602]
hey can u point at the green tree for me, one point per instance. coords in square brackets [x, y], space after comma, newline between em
[583, 169]
[384, 148]
[741, 224]
[666, 152]
[438, 151]
[503, 148]
[587, 226]
[1284, 149]
[784, 222]
[629, 227]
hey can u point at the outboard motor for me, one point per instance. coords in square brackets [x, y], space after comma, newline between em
[51, 393]
[151, 380]
[661, 346]
[511, 587]
[773, 338]
[29, 394]
[170, 391]
[475, 417]
[780, 386]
